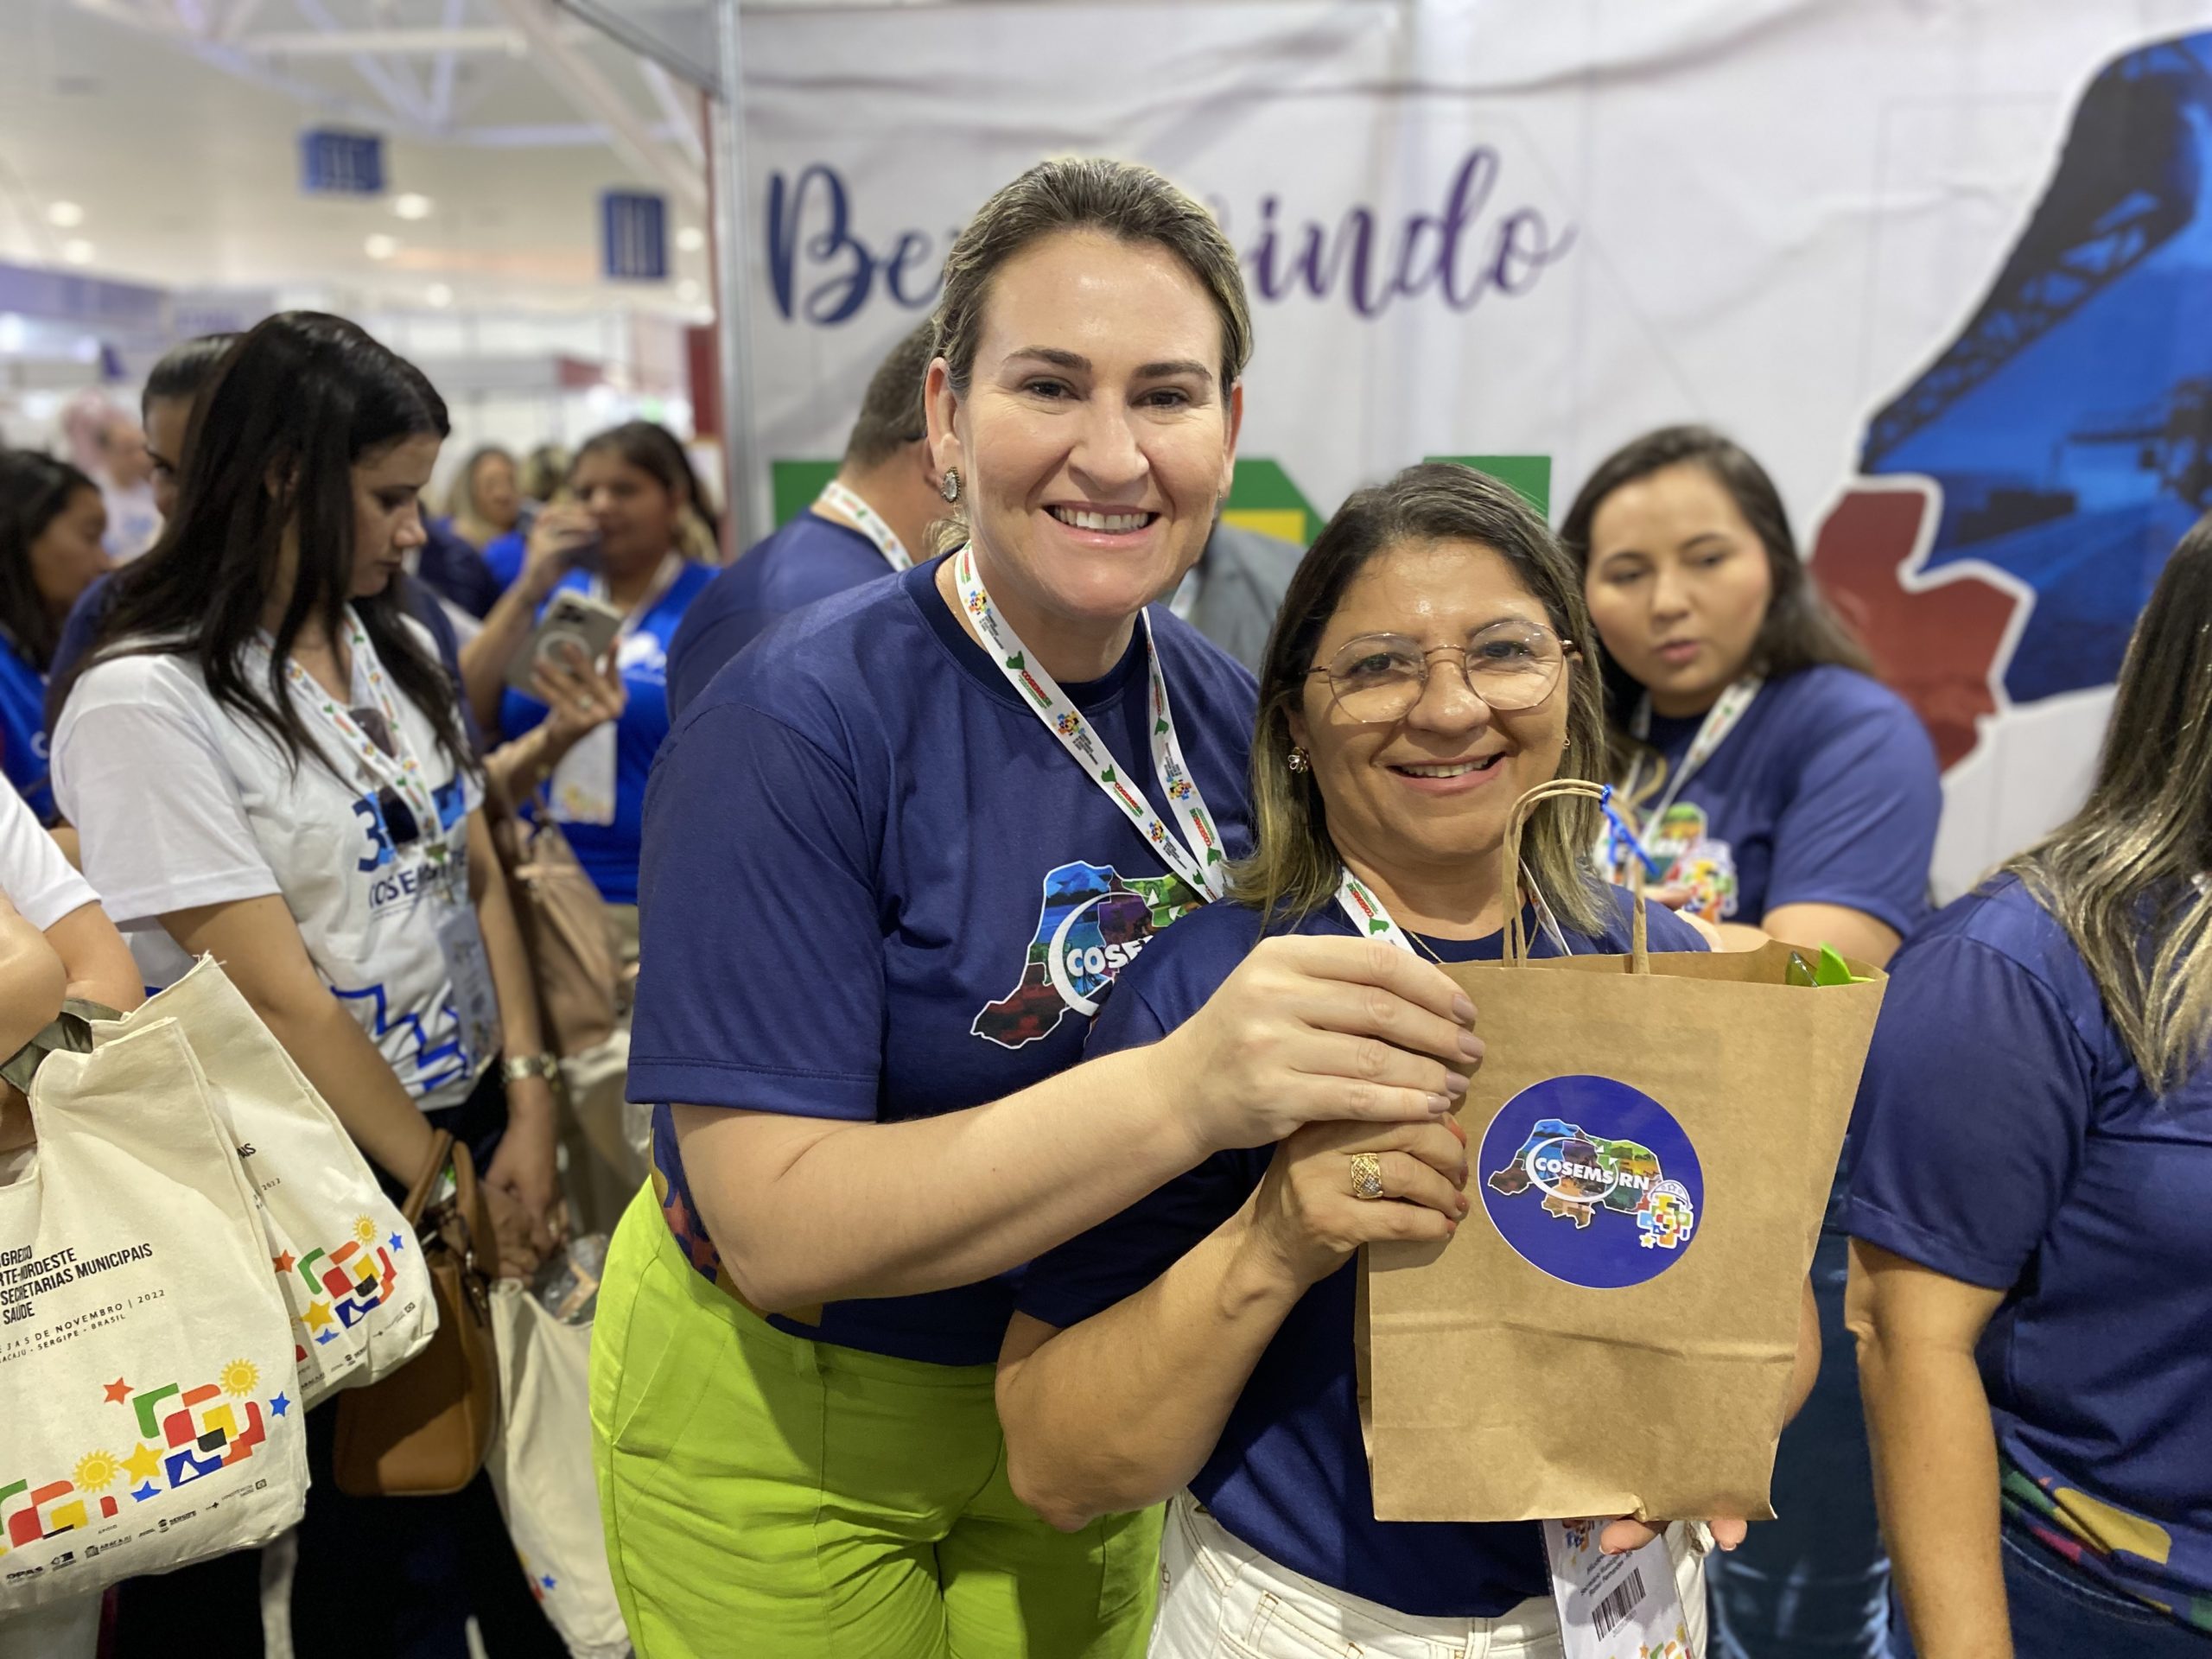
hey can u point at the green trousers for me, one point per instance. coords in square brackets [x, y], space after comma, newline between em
[766, 1495]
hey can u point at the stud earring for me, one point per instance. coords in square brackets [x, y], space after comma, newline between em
[1299, 760]
[948, 486]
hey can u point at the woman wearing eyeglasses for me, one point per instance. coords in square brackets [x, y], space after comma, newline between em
[1781, 788]
[1425, 672]
[264, 760]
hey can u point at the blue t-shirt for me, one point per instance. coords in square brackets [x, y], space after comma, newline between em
[1289, 1474]
[876, 888]
[503, 557]
[1827, 792]
[2005, 1139]
[608, 852]
[22, 730]
[807, 559]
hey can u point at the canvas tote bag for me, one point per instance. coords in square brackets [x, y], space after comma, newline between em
[1613, 1329]
[150, 1415]
[541, 1468]
[353, 1276]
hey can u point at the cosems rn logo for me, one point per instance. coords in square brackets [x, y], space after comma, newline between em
[1091, 923]
[1591, 1181]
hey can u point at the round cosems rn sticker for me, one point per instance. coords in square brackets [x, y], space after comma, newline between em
[1591, 1181]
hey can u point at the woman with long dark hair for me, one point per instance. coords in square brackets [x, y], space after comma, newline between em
[1779, 789]
[2029, 1250]
[265, 762]
[51, 522]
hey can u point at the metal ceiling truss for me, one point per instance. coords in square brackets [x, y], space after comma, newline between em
[408, 71]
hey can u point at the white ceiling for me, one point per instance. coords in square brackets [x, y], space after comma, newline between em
[174, 126]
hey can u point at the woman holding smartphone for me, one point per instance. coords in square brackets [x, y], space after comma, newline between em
[619, 544]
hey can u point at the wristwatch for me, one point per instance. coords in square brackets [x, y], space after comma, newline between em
[532, 1065]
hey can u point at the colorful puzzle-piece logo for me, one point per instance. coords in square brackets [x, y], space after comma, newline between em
[358, 1276]
[205, 1429]
[1667, 1218]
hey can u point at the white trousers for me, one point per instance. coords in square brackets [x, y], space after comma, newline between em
[1220, 1599]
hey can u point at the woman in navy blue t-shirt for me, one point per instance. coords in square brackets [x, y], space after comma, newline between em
[1780, 791]
[896, 855]
[2030, 1259]
[1425, 672]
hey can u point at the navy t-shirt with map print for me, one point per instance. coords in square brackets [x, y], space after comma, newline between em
[875, 887]
[2004, 1138]
[1289, 1475]
[1827, 792]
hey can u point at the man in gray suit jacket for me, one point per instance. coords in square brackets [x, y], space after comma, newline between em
[1232, 594]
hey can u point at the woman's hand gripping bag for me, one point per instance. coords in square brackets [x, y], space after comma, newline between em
[150, 1416]
[352, 1274]
[1614, 1329]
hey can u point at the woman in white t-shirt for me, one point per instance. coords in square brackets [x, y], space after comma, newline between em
[265, 762]
[56, 944]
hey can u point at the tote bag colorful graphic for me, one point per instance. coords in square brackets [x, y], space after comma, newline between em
[353, 1278]
[150, 1415]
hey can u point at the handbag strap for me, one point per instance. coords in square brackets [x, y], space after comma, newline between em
[442, 1149]
[1517, 938]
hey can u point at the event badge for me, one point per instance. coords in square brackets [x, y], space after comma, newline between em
[583, 786]
[468, 972]
[1614, 1606]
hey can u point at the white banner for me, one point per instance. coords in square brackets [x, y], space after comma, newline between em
[1938, 264]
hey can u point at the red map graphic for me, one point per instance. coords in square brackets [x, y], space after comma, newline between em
[1938, 647]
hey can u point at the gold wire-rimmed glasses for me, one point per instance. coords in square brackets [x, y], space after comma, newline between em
[1510, 665]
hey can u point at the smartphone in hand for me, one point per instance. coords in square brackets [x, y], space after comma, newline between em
[569, 618]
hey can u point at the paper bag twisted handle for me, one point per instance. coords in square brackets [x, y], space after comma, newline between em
[1516, 939]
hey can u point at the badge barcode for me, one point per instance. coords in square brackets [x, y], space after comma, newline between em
[1615, 1608]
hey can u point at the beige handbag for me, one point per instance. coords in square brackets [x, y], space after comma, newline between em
[565, 927]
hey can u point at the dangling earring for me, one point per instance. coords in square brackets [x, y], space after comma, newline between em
[1298, 760]
[948, 486]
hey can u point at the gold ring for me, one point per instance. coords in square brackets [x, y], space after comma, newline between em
[1366, 1175]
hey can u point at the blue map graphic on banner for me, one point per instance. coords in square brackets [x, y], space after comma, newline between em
[2068, 421]
[1591, 1181]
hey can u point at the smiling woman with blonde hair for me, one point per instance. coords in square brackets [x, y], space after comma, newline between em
[895, 855]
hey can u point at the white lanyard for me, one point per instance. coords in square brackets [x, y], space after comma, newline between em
[1371, 921]
[1720, 720]
[1200, 861]
[402, 771]
[869, 523]
[671, 566]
